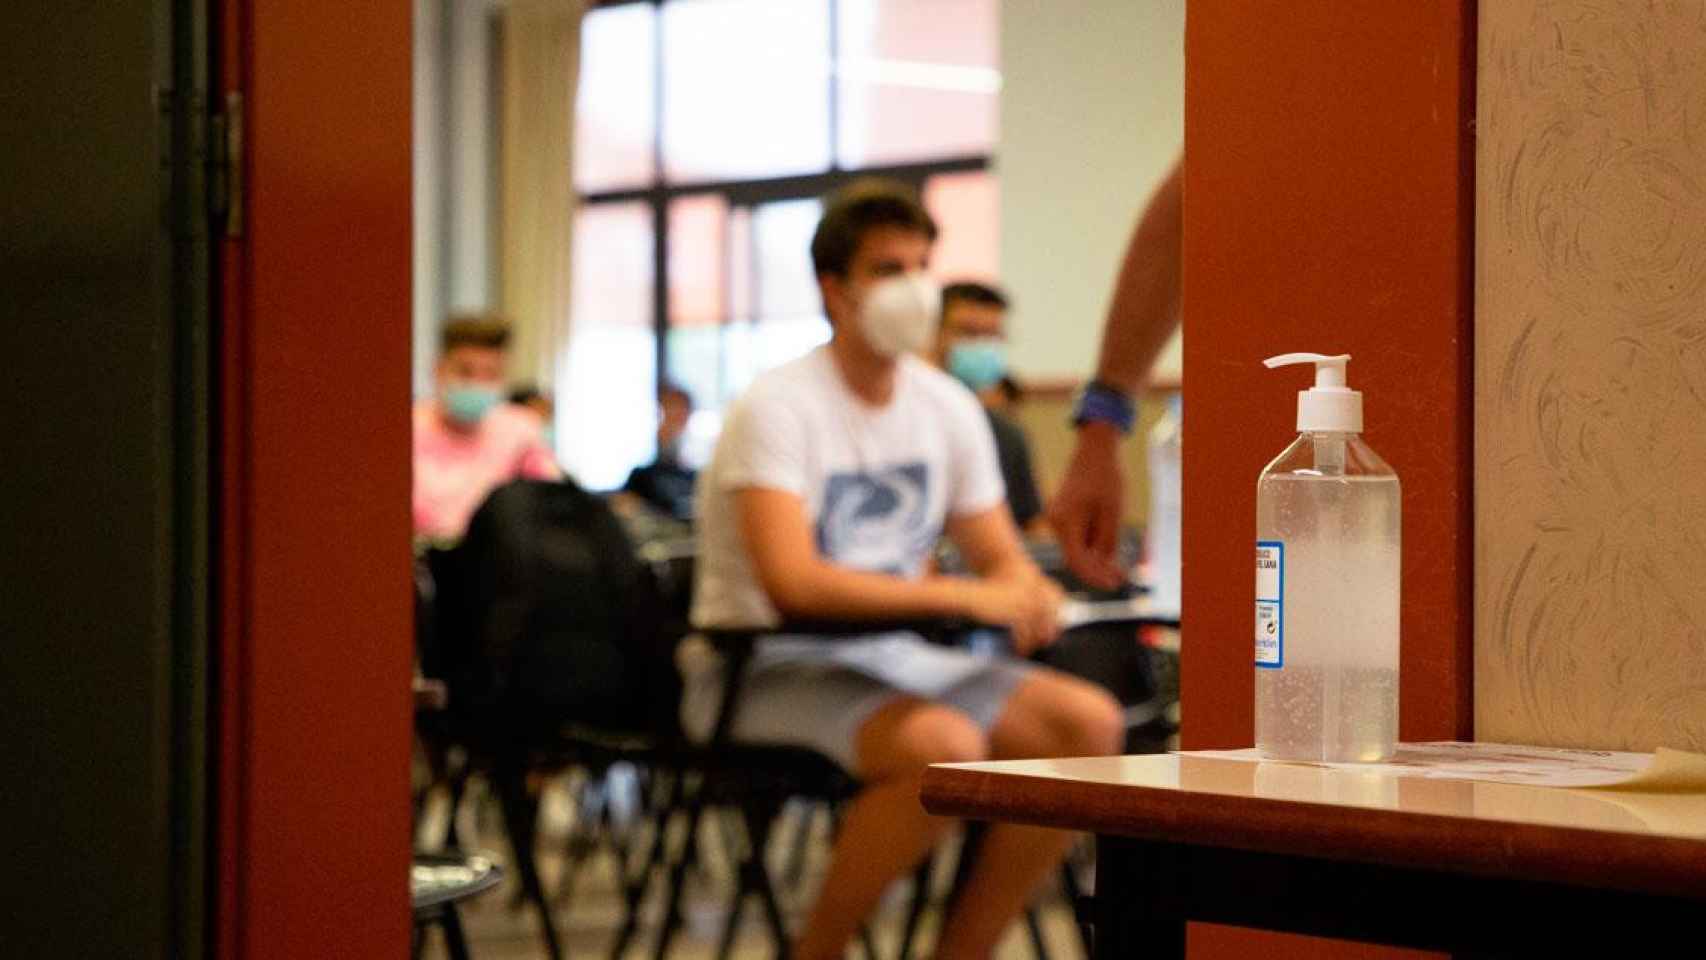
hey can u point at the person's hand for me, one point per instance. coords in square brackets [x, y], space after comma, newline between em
[1027, 605]
[1086, 511]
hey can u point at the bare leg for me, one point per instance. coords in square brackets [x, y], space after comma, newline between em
[885, 831]
[1049, 715]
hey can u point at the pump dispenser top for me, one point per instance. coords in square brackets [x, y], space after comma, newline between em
[1329, 406]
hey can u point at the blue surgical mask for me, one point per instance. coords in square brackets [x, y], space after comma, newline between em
[978, 364]
[468, 403]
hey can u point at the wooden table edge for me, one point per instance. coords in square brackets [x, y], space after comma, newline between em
[1505, 849]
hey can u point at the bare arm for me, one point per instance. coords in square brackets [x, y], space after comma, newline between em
[1142, 315]
[990, 544]
[804, 585]
[1144, 310]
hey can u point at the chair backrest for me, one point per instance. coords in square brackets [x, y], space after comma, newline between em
[546, 615]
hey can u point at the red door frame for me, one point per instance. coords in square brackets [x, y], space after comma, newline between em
[1329, 184]
[314, 645]
[1329, 196]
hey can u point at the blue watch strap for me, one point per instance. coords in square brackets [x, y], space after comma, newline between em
[1106, 404]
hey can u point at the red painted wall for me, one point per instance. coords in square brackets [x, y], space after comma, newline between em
[315, 646]
[1328, 197]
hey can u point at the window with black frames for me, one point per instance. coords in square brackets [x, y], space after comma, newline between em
[705, 133]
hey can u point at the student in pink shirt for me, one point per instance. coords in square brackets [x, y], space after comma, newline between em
[468, 442]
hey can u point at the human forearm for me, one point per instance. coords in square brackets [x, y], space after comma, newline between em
[991, 545]
[824, 591]
[1024, 602]
[1142, 315]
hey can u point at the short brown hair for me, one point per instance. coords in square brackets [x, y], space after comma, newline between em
[971, 291]
[475, 330]
[858, 207]
[668, 389]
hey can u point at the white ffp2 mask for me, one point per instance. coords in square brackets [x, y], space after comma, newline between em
[899, 313]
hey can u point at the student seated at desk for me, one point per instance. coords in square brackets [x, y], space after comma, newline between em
[666, 484]
[971, 344]
[467, 441]
[833, 479]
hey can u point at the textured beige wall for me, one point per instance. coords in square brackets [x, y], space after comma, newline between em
[1590, 401]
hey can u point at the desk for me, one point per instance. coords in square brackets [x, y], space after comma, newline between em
[437, 882]
[1470, 868]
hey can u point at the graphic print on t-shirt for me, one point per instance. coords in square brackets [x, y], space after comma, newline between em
[877, 520]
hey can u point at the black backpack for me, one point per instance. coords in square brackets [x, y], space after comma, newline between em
[546, 617]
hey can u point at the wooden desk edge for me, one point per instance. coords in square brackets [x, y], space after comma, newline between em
[1589, 858]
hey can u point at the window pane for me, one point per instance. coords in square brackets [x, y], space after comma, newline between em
[967, 210]
[612, 278]
[739, 367]
[749, 349]
[790, 308]
[741, 305]
[745, 88]
[919, 79]
[606, 406]
[613, 112]
[782, 242]
[696, 363]
[697, 259]
[775, 310]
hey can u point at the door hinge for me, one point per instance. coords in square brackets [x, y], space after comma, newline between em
[225, 189]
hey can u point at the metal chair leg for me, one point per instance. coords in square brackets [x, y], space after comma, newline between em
[458, 784]
[757, 876]
[731, 924]
[584, 838]
[666, 803]
[519, 823]
[1078, 901]
[455, 943]
[915, 909]
[678, 877]
[801, 818]
[867, 942]
[1034, 926]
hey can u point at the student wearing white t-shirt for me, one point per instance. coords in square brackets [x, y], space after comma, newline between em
[834, 478]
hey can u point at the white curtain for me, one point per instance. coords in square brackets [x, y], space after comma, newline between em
[541, 68]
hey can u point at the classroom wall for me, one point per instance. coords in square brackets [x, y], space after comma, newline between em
[1590, 462]
[1092, 117]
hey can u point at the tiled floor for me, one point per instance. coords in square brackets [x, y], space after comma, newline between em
[497, 931]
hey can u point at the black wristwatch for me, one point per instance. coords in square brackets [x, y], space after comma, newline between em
[1106, 404]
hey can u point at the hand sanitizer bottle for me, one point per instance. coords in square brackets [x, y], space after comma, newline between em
[1327, 541]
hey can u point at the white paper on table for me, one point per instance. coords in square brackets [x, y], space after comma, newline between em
[1078, 613]
[1493, 763]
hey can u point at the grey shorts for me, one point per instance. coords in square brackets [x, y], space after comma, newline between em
[817, 693]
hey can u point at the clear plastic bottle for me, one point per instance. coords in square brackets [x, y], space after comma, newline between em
[1328, 539]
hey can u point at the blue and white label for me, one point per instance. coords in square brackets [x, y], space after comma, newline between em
[1270, 604]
